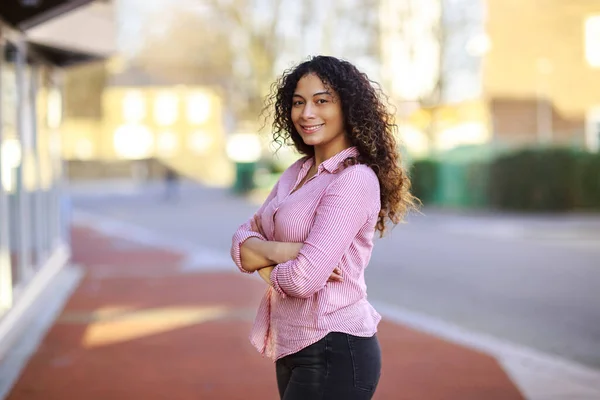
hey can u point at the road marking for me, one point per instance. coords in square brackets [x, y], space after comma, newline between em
[197, 258]
[538, 375]
[585, 239]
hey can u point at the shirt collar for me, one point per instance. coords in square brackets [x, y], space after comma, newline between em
[333, 164]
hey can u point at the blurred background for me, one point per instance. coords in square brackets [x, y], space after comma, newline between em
[149, 112]
[155, 85]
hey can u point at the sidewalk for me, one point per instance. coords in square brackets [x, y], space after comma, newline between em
[139, 327]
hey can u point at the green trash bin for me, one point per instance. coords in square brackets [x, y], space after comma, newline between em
[244, 177]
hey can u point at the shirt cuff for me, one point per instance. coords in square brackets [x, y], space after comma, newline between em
[238, 241]
[275, 282]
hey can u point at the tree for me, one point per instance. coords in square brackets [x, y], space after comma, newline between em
[432, 50]
[242, 45]
[270, 35]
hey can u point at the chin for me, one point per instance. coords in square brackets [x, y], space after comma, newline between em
[309, 139]
[312, 141]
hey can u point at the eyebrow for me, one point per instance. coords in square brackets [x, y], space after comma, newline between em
[316, 94]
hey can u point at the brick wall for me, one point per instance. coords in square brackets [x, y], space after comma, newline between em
[516, 122]
[537, 48]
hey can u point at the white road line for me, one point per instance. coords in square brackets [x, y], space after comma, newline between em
[538, 375]
[514, 231]
[198, 258]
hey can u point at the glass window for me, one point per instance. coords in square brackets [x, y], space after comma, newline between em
[31, 207]
[592, 41]
[10, 155]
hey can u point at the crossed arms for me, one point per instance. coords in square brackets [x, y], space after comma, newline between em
[262, 255]
[349, 205]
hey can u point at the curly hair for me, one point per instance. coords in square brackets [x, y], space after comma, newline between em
[367, 122]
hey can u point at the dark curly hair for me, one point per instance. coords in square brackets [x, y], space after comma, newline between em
[368, 123]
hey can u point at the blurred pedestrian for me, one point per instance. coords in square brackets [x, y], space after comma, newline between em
[171, 184]
[312, 238]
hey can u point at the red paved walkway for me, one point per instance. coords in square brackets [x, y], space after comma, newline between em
[138, 329]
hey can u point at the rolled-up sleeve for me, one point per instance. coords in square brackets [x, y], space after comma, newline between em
[349, 203]
[244, 232]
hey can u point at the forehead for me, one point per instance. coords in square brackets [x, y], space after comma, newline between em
[310, 84]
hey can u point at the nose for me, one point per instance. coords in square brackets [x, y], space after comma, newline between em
[308, 111]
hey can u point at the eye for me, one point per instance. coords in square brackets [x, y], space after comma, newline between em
[296, 103]
[321, 101]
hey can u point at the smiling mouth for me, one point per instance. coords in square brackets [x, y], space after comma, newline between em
[312, 128]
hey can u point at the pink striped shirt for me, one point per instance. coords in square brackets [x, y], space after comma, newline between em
[334, 214]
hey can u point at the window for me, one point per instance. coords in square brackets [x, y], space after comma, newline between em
[593, 129]
[166, 109]
[592, 40]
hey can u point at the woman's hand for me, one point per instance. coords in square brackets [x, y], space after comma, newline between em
[265, 274]
[257, 253]
[256, 225]
[286, 251]
[282, 251]
[336, 275]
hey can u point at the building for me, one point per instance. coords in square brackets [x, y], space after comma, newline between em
[36, 44]
[507, 72]
[542, 72]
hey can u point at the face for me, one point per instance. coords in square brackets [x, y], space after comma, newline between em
[317, 114]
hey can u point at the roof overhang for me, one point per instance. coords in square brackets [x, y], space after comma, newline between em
[62, 57]
[24, 14]
[64, 31]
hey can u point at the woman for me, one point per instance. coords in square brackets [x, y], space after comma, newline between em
[312, 238]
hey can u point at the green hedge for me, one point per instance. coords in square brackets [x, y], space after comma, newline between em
[527, 180]
[587, 184]
[545, 180]
[477, 183]
[424, 179]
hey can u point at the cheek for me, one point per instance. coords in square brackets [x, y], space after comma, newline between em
[334, 117]
[295, 114]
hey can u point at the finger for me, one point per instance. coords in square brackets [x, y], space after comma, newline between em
[260, 229]
[335, 277]
[256, 225]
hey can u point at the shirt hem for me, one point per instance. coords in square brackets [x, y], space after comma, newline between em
[274, 358]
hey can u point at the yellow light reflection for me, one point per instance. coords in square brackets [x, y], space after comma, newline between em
[167, 144]
[55, 109]
[463, 134]
[116, 326]
[133, 141]
[200, 142]
[10, 157]
[166, 109]
[84, 149]
[198, 108]
[134, 106]
[244, 147]
[592, 40]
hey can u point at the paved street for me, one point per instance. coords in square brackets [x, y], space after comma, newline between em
[528, 280]
[137, 326]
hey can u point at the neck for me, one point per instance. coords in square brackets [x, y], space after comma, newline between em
[328, 150]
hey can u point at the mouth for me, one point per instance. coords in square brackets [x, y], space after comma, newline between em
[311, 128]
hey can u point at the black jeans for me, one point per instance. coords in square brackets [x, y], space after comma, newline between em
[339, 366]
